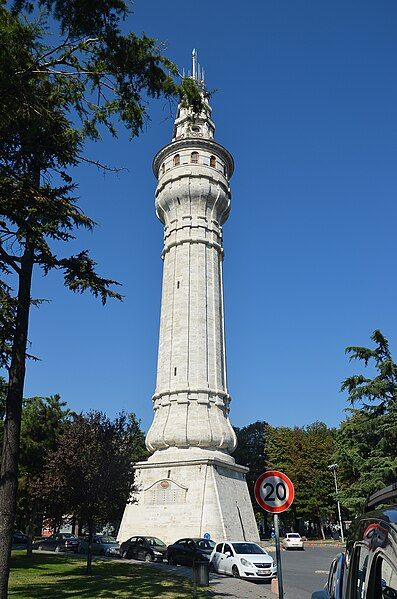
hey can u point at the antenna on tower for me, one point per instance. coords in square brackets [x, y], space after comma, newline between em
[194, 64]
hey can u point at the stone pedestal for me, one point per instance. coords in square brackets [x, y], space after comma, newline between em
[188, 498]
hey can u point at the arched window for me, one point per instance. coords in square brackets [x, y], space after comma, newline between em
[194, 157]
[213, 161]
[225, 171]
[163, 168]
[177, 160]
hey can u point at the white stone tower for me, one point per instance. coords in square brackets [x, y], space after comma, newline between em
[191, 485]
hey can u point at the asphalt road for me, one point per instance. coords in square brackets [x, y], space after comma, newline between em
[303, 572]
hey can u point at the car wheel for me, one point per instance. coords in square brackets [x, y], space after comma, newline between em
[235, 572]
[212, 567]
[124, 554]
[171, 560]
[82, 550]
[148, 557]
[102, 553]
[40, 548]
[57, 549]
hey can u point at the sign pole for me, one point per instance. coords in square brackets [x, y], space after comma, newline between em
[278, 558]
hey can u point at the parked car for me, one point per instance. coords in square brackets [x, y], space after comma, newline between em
[243, 560]
[368, 568]
[293, 540]
[60, 541]
[19, 538]
[148, 549]
[101, 545]
[186, 551]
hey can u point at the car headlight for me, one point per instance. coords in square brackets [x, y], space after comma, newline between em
[246, 563]
[157, 553]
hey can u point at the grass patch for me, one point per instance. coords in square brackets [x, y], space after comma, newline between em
[59, 577]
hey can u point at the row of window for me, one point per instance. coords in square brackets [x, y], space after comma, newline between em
[194, 159]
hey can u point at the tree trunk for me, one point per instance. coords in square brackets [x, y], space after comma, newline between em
[89, 552]
[31, 526]
[12, 424]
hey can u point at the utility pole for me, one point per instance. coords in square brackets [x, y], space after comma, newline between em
[334, 467]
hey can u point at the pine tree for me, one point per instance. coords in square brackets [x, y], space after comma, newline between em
[54, 96]
[366, 448]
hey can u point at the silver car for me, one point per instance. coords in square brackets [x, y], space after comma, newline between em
[101, 545]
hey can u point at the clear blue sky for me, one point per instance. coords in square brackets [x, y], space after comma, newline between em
[306, 102]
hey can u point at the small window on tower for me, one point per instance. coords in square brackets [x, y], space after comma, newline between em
[196, 129]
[194, 157]
[178, 285]
[177, 160]
[175, 371]
[213, 161]
[225, 171]
[163, 168]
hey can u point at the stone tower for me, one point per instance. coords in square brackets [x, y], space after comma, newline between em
[191, 484]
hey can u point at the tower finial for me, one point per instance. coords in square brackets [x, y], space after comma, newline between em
[194, 64]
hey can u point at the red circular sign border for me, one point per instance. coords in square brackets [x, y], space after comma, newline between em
[265, 506]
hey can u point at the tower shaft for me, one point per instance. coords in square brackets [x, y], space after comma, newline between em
[192, 200]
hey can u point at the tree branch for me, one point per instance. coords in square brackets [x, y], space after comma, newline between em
[10, 260]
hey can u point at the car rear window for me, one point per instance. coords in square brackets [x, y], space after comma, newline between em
[205, 544]
[293, 535]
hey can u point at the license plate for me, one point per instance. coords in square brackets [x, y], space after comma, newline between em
[263, 572]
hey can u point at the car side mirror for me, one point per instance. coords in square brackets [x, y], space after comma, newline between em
[228, 554]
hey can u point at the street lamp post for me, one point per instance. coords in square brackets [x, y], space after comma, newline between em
[333, 467]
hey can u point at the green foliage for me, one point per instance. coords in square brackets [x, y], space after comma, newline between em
[366, 445]
[43, 421]
[304, 454]
[90, 473]
[250, 452]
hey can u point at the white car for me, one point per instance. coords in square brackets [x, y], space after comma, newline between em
[242, 559]
[293, 540]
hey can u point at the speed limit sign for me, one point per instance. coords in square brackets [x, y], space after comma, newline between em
[274, 491]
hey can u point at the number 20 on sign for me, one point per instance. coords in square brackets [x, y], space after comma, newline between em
[274, 491]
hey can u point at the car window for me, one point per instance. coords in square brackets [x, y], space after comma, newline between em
[205, 544]
[219, 548]
[331, 585]
[227, 548]
[293, 535]
[385, 580]
[182, 542]
[153, 541]
[359, 573]
[250, 548]
[191, 545]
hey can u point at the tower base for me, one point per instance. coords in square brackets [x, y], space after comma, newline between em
[176, 499]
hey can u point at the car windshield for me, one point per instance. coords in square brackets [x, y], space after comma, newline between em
[205, 544]
[293, 535]
[107, 540]
[251, 548]
[153, 541]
